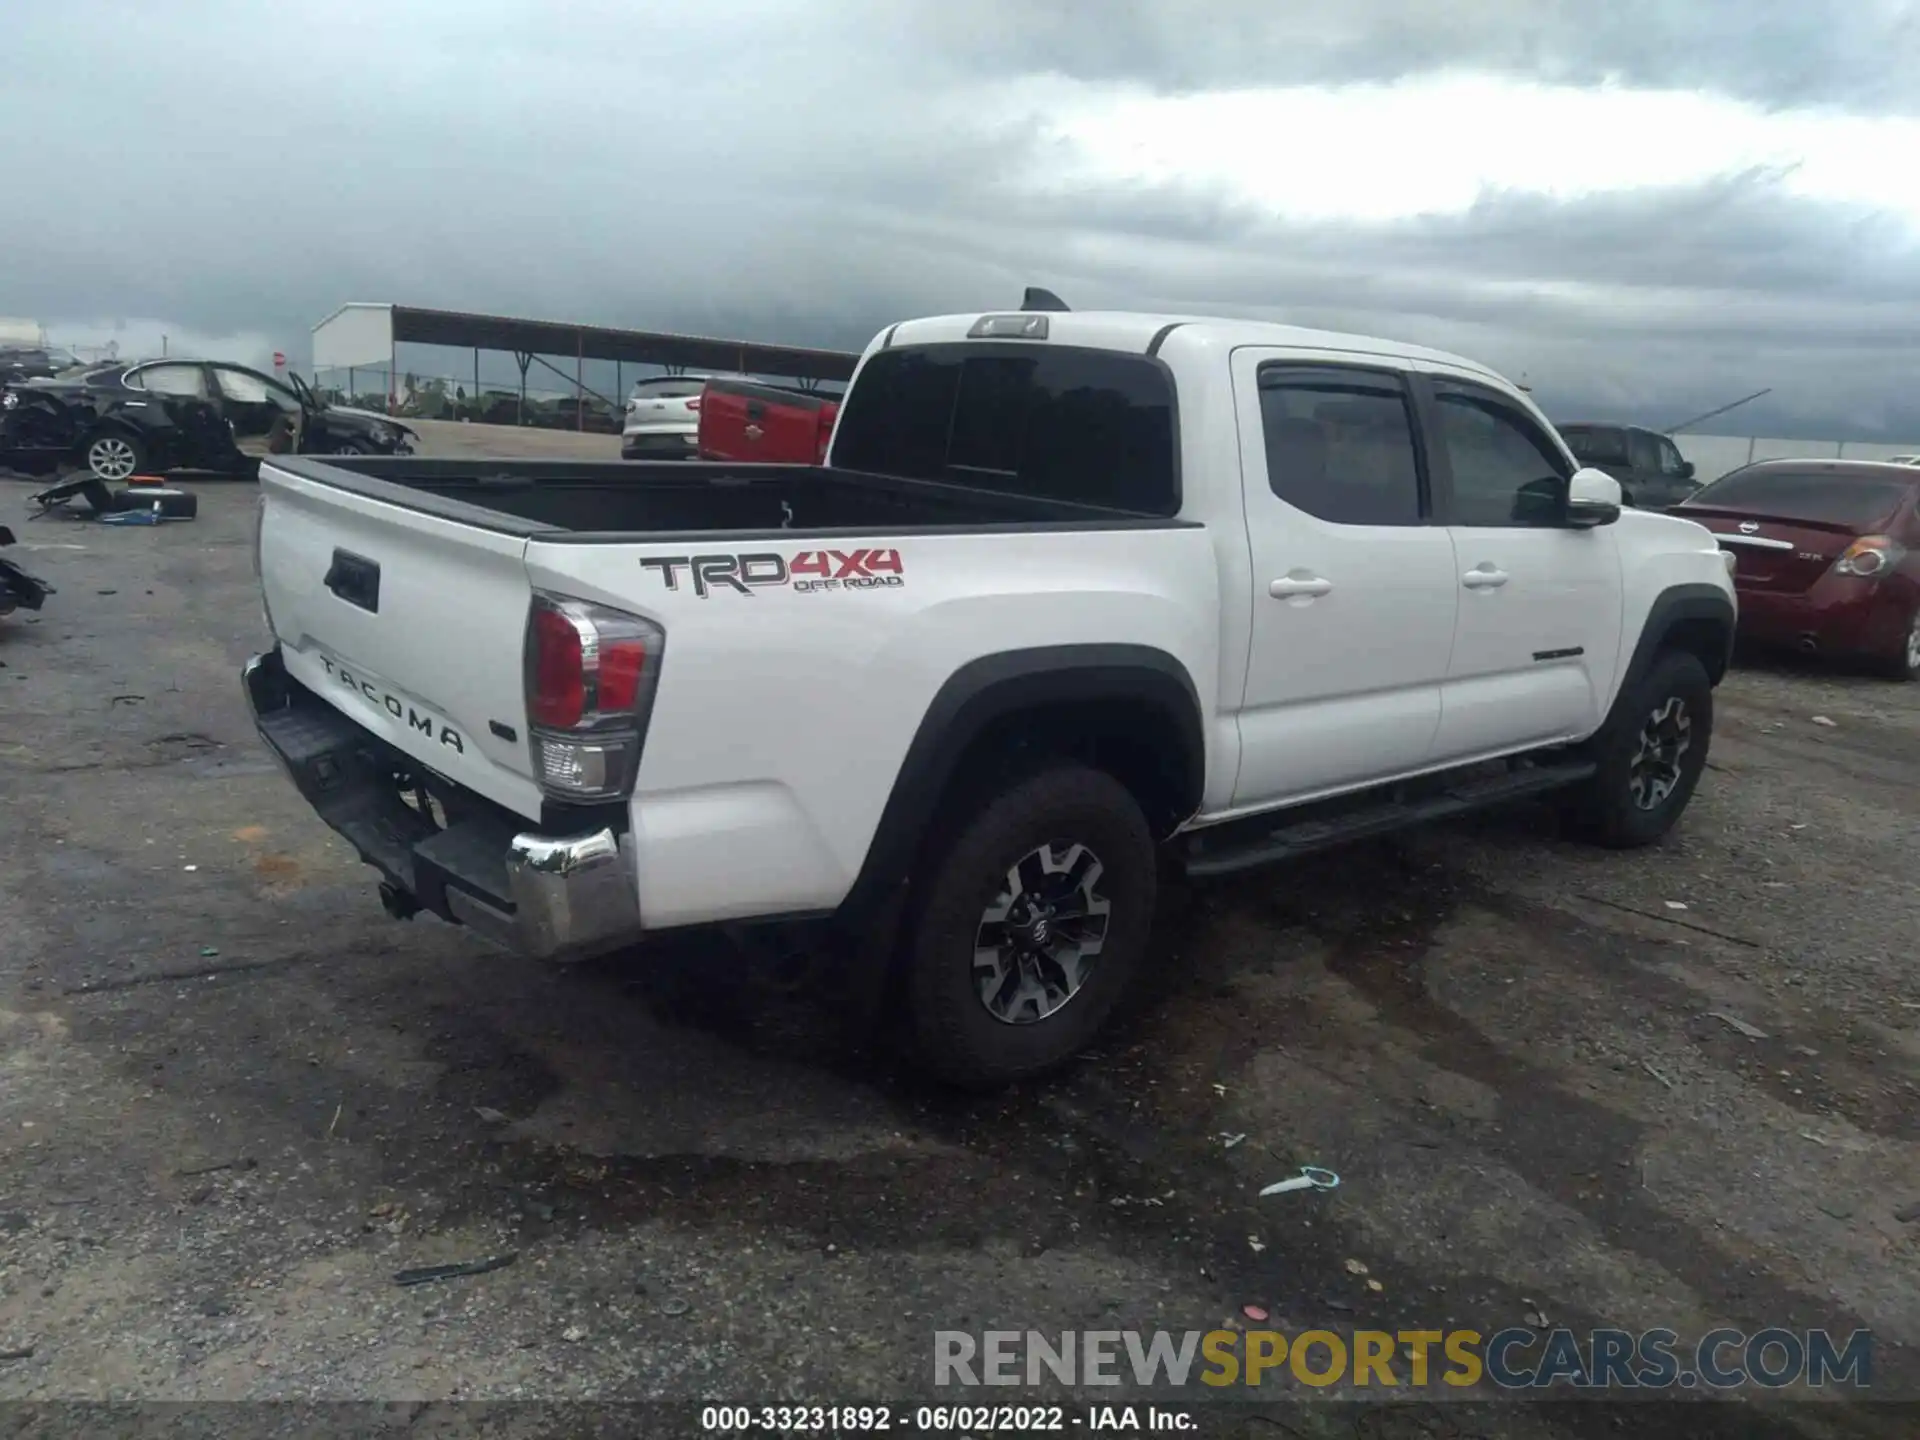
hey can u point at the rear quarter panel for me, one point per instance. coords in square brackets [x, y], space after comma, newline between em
[784, 713]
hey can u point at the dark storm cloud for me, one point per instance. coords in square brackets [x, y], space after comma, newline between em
[1856, 54]
[811, 172]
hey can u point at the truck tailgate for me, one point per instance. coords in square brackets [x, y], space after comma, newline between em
[396, 618]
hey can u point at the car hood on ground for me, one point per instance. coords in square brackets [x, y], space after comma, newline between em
[369, 417]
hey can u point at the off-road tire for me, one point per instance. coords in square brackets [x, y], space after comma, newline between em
[1604, 808]
[952, 1034]
[174, 504]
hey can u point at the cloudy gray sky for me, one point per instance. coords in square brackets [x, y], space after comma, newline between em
[1644, 208]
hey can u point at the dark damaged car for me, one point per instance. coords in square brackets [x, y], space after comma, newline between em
[169, 415]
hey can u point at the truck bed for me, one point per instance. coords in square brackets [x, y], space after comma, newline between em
[628, 500]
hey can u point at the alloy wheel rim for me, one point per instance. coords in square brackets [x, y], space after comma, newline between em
[1040, 936]
[1913, 643]
[110, 458]
[1654, 771]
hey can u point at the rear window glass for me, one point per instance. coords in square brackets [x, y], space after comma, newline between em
[1590, 444]
[677, 388]
[1790, 495]
[1087, 426]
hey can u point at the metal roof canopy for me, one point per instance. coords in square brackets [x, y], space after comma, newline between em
[363, 334]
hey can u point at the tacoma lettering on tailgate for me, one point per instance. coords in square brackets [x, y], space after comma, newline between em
[396, 707]
[807, 573]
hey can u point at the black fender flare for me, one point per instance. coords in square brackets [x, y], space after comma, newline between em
[994, 687]
[1674, 606]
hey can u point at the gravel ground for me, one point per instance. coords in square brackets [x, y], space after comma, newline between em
[235, 1098]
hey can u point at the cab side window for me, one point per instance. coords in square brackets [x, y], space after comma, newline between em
[1340, 445]
[1644, 450]
[1505, 470]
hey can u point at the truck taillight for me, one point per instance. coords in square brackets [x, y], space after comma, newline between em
[590, 675]
[694, 403]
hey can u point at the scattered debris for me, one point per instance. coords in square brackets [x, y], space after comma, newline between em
[1218, 1088]
[1841, 1212]
[573, 1334]
[18, 1352]
[334, 1123]
[189, 868]
[1356, 1267]
[1809, 1135]
[1656, 1074]
[1537, 1319]
[1752, 1032]
[1907, 1214]
[1823, 720]
[1227, 1142]
[675, 1307]
[1675, 904]
[245, 1162]
[490, 1115]
[125, 700]
[17, 587]
[1311, 1177]
[207, 952]
[1807, 1050]
[1255, 1244]
[1375, 1286]
[1253, 1312]
[428, 1274]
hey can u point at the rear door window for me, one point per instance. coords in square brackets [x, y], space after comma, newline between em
[1093, 427]
[1830, 499]
[178, 379]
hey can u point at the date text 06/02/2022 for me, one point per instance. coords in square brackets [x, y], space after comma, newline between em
[945, 1419]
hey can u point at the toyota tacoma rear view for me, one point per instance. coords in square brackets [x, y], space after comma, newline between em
[1074, 595]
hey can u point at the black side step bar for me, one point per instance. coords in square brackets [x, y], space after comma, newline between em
[1209, 853]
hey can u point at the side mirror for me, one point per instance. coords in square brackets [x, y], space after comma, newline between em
[1686, 469]
[1593, 498]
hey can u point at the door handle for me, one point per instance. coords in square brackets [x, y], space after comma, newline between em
[1484, 577]
[1293, 585]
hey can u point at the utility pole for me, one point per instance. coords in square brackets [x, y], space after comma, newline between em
[1684, 424]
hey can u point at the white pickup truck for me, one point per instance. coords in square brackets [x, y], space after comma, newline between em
[1074, 593]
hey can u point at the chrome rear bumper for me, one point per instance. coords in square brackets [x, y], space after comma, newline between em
[550, 897]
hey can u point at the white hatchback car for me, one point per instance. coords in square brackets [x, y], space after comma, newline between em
[663, 418]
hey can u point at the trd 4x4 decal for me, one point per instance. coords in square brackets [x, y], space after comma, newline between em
[808, 572]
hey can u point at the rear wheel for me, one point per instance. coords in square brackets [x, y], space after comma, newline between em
[114, 455]
[1035, 915]
[1650, 754]
[1904, 662]
[351, 447]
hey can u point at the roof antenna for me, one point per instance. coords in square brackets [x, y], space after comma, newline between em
[1038, 299]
